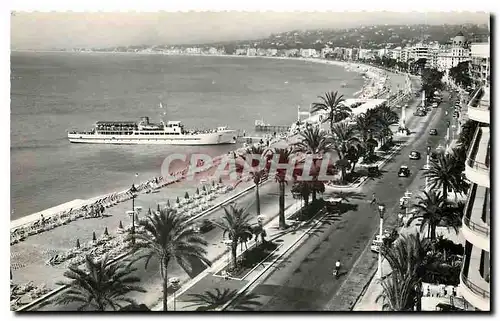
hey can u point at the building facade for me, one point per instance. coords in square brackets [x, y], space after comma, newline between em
[476, 269]
[458, 52]
[480, 63]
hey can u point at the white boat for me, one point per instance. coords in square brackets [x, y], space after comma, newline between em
[144, 132]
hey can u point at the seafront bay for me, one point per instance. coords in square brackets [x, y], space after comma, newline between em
[28, 258]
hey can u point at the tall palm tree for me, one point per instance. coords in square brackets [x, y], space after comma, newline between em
[236, 224]
[444, 172]
[334, 105]
[406, 257]
[432, 208]
[168, 235]
[257, 170]
[303, 189]
[315, 142]
[281, 177]
[100, 285]
[344, 135]
[213, 300]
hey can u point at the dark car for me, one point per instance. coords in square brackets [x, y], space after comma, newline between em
[404, 171]
[414, 154]
[433, 156]
[204, 226]
[433, 132]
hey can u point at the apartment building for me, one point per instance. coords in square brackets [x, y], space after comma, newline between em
[480, 62]
[476, 269]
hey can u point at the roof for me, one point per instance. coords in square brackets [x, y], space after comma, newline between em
[173, 122]
[126, 122]
[460, 34]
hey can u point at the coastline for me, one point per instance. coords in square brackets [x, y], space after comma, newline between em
[373, 76]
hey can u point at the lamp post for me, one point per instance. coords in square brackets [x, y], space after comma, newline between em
[427, 166]
[381, 212]
[228, 244]
[175, 283]
[133, 190]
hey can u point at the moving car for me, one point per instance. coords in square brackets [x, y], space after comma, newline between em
[433, 132]
[414, 154]
[204, 226]
[434, 105]
[404, 171]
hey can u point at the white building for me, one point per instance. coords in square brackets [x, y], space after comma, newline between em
[476, 269]
[306, 53]
[457, 53]
[251, 52]
[193, 51]
[480, 62]
[326, 51]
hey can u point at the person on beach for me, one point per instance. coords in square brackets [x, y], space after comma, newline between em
[374, 199]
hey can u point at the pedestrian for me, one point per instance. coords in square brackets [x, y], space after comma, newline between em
[374, 199]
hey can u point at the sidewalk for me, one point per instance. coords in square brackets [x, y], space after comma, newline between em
[210, 281]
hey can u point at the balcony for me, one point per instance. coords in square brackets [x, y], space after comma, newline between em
[473, 287]
[476, 227]
[479, 106]
[477, 165]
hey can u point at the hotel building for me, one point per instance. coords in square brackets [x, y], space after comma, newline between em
[475, 274]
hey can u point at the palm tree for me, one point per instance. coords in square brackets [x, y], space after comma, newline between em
[212, 300]
[281, 177]
[344, 136]
[235, 223]
[316, 143]
[407, 258]
[444, 172]
[433, 208]
[257, 170]
[303, 189]
[100, 285]
[334, 105]
[397, 295]
[168, 235]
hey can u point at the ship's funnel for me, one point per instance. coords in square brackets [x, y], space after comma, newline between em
[145, 120]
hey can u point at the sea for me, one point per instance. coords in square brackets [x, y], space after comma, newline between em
[56, 92]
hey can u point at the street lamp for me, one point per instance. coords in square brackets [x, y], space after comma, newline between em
[175, 283]
[133, 190]
[381, 212]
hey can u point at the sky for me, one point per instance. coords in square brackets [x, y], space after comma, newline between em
[47, 30]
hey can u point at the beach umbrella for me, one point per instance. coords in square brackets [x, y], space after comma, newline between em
[157, 208]
[186, 196]
[168, 203]
[220, 180]
[106, 231]
[94, 238]
[178, 200]
[204, 189]
[120, 225]
[197, 191]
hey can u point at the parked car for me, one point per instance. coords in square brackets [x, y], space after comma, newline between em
[414, 154]
[377, 243]
[435, 105]
[404, 171]
[433, 132]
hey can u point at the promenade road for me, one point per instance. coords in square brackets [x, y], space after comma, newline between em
[303, 281]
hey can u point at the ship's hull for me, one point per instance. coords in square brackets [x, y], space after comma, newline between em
[218, 138]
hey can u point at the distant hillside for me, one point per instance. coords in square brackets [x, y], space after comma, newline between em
[367, 36]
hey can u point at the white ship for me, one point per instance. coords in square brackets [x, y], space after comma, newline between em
[144, 132]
